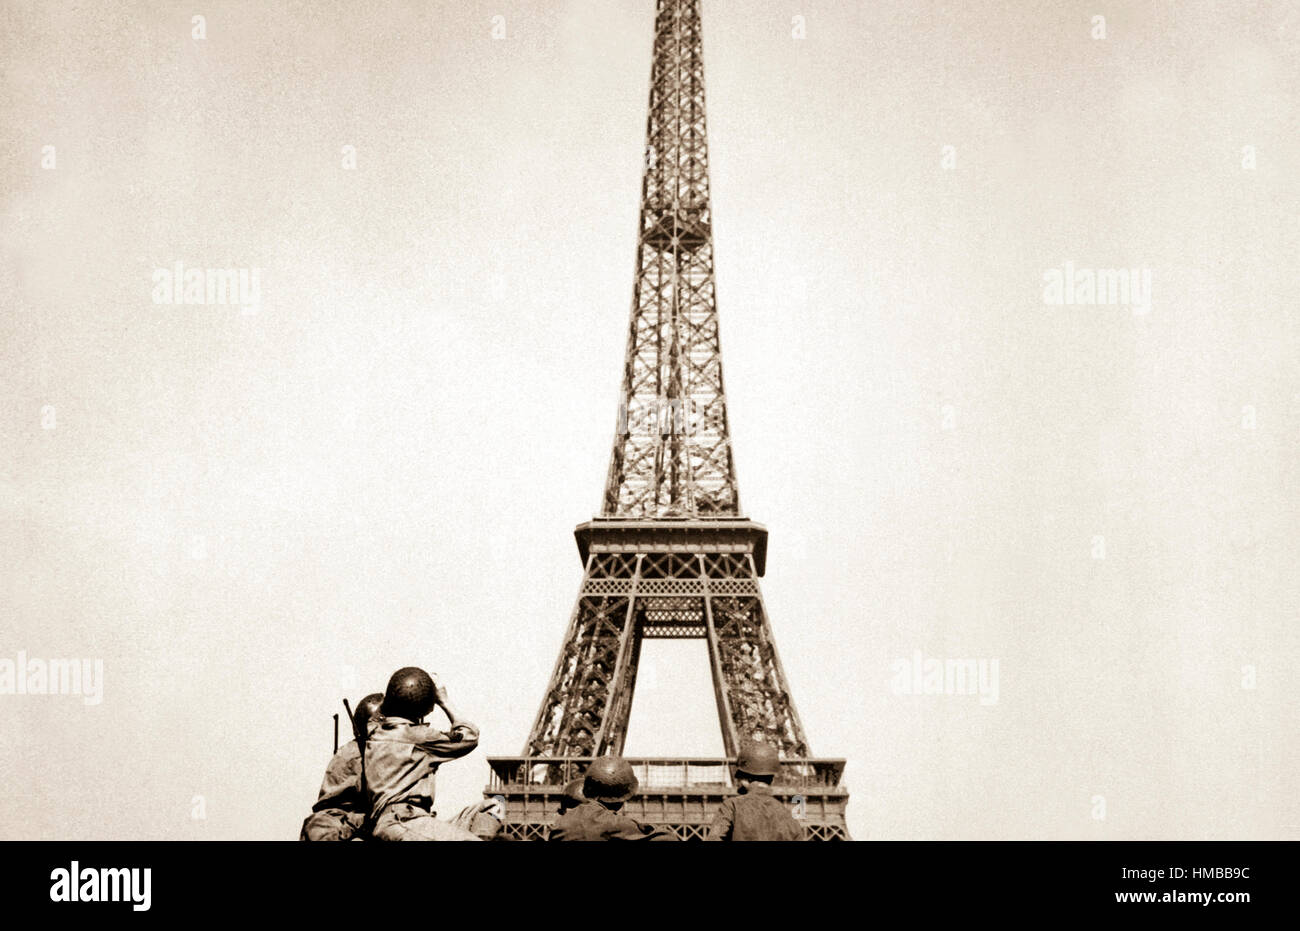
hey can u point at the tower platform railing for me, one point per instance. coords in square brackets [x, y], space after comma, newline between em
[656, 773]
[678, 793]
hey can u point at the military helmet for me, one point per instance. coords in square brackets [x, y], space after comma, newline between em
[365, 708]
[572, 795]
[409, 694]
[609, 779]
[758, 759]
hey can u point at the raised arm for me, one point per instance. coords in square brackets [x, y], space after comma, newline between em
[461, 738]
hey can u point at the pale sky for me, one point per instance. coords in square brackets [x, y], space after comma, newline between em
[248, 516]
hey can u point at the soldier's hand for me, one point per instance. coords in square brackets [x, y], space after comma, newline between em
[439, 690]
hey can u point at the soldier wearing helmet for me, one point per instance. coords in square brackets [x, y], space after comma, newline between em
[402, 754]
[340, 809]
[755, 814]
[608, 784]
[572, 796]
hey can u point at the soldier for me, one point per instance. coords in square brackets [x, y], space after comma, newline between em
[480, 819]
[572, 796]
[402, 754]
[340, 810]
[755, 814]
[608, 784]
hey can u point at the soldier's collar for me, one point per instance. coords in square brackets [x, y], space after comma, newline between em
[393, 719]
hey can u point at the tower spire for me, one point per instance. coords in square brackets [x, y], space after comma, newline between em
[672, 452]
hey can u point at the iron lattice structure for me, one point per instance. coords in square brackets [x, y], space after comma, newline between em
[672, 451]
[671, 554]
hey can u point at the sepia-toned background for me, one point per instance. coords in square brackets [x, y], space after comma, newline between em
[248, 513]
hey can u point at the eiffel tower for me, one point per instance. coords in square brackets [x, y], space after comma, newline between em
[671, 553]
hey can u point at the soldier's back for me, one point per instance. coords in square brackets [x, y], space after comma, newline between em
[756, 816]
[592, 821]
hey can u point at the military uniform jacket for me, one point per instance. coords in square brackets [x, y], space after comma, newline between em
[402, 757]
[341, 787]
[756, 815]
[593, 821]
